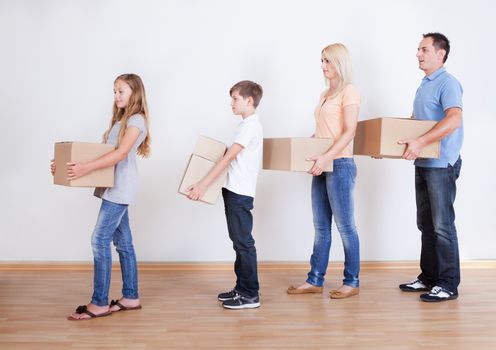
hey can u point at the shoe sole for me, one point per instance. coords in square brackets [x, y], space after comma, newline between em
[439, 300]
[225, 299]
[245, 306]
[408, 289]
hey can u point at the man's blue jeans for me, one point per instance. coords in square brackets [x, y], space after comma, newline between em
[113, 225]
[332, 195]
[240, 224]
[435, 190]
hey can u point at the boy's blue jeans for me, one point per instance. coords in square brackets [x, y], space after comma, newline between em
[113, 225]
[240, 224]
[332, 195]
[435, 190]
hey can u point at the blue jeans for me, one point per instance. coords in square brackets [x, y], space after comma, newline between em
[240, 224]
[435, 190]
[332, 194]
[113, 225]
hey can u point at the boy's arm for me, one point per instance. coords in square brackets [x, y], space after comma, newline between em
[197, 190]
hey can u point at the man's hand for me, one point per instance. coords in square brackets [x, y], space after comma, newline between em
[413, 148]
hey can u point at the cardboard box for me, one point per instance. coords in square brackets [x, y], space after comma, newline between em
[206, 153]
[290, 153]
[66, 152]
[379, 137]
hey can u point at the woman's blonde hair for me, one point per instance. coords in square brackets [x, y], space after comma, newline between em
[137, 105]
[338, 55]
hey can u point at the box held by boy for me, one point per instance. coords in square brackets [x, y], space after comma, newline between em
[206, 153]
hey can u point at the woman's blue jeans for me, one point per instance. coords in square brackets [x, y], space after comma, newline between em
[332, 195]
[113, 225]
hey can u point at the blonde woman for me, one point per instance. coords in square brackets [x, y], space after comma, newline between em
[129, 133]
[336, 117]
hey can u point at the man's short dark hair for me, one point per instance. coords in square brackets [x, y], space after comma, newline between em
[247, 88]
[439, 41]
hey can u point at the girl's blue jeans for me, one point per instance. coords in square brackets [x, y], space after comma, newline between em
[113, 226]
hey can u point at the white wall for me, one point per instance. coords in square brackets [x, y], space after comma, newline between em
[59, 59]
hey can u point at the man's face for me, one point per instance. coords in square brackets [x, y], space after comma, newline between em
[429, 59]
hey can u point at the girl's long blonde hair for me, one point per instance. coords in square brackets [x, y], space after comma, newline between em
[339, 57]
[137, 105]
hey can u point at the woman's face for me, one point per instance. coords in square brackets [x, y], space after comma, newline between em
[122, 93]
[327, 68]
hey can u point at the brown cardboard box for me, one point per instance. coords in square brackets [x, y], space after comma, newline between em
[290, 153]
[66, 152]
[206, 153]
[379, 137]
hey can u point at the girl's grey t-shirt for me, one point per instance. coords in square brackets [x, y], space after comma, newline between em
[125, 171]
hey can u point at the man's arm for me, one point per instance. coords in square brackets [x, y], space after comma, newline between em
[452, 120]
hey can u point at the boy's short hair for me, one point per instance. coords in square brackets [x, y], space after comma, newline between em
[247, 88]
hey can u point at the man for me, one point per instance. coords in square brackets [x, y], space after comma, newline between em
[439, 98]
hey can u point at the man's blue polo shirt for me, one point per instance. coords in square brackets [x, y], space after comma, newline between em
[438, 92]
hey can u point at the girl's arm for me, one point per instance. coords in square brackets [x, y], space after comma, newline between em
[76, 170]
[197, 190]
[349, 128]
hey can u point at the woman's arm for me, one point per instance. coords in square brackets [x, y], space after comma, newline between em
[76, 170]
[322, 161]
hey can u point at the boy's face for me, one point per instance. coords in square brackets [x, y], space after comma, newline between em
[239, 104]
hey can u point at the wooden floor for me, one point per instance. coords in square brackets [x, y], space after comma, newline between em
[180, 311]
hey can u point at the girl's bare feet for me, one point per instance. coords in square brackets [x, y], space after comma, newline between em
[85, 312]
[124, 304]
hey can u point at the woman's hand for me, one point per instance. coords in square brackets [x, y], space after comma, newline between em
[321, 163]
[77, 170]
[52, 167]
[196, 191]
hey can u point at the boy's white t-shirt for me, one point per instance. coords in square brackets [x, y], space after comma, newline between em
[243, 171]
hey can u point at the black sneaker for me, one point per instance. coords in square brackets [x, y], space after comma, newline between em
[438, 294]
[227, 295]
[241, 302]
[414, 286]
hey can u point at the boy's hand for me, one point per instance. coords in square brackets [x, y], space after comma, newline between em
[321, 162]
[76, 170]
[196, 191]
[52, 166]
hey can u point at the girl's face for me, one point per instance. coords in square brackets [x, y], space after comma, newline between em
[327, 68]
[122, 94]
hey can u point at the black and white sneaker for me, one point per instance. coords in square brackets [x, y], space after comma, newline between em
[241, 302]
[227, 295]
[414, 286]
[438, 294]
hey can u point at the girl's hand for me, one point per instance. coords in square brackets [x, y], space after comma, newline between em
[52, 166]
[321, 162]
[196, 191]
[76, 170]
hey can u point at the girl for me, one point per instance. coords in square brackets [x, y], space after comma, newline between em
[129, 132]
[332, 192]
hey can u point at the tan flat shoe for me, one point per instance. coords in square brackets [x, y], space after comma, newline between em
[336, 294]
[305, 290]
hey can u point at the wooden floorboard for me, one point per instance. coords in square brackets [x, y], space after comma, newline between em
[180, 311]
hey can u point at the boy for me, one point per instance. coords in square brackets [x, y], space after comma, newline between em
[243, 161]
